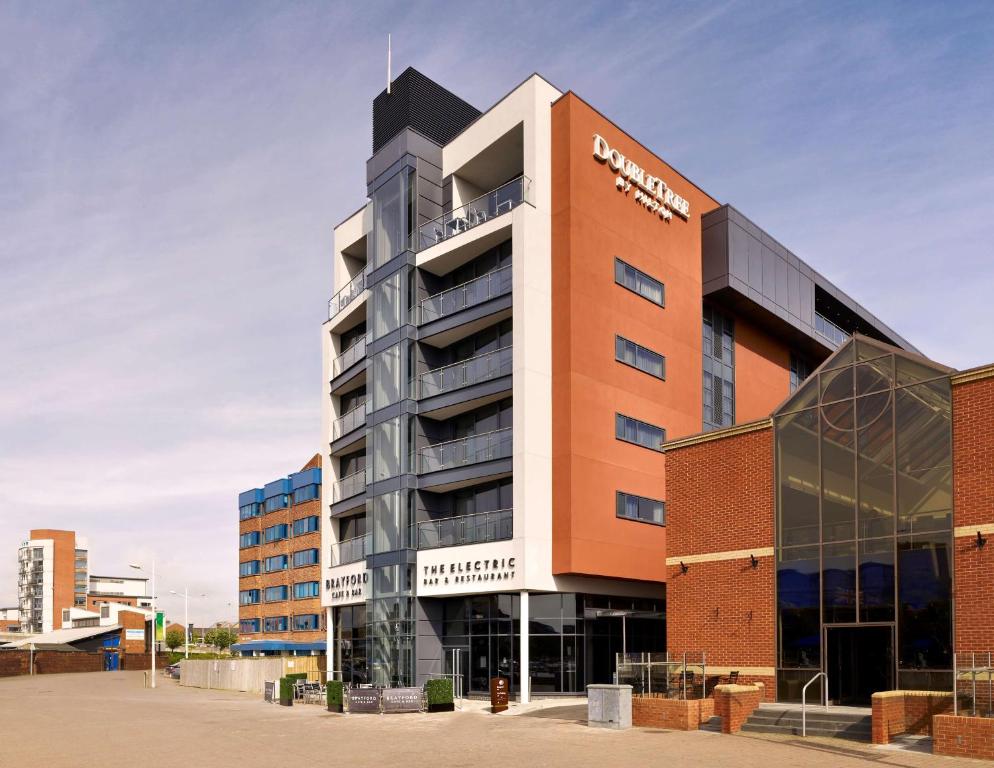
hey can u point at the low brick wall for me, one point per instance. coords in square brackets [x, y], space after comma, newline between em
[959, 736]
[13, 663]
[673, 714]
[734, 703]
[131, 662]
[58, 662]
[897, 712]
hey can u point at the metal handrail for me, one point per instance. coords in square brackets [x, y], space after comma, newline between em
[463, 373]
[495, 283]
[458, 530]
[339, 426]
[349, 357]
[486, 446]
[348, 486]
[804, 701]
[349, 292]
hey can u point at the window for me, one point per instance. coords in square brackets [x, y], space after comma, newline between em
[277, 502]
[307, 493]
[799, 371]
[305, 557]
[248, 597]
[305, 525]
[276, 594]
[632, 507]
[250, 539]
[639, 282]
[639, 432]
[719, 370]
[248, 568]
[305, 589]
[277, 532]
[274, 624]
[248, 626]
[637, 356]
[249, 511]
[305, 622]
[276, 563]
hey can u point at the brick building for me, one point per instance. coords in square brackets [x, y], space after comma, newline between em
[279, 564]
[847, 534]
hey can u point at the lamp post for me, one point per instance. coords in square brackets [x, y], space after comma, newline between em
[186, 618]
[154, 615]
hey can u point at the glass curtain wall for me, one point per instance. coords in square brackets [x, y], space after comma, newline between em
[864, 515]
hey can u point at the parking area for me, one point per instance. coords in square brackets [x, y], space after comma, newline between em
[109, 720]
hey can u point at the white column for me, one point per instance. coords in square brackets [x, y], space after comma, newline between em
[329, 614]
[524, 666]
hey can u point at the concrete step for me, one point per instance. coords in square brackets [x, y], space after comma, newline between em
[790, 730]
[713, 724]
[787, 721]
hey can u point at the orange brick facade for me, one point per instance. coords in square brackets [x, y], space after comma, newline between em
[289, 577]
[719, 512]
[963, 737]
[973, 510]
[899, 712]
[672, 714]
[734, 703]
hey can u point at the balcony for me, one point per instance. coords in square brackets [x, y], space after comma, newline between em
[474, 370]
[830, 330]
[348, 486]
[466, 529]
[348, 294]
[351, 550]
[349, 357]
[349, 421]
[464, 451]
[505, 198]
[469, 294]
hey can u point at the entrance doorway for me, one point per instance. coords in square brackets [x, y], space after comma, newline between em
[859, 661]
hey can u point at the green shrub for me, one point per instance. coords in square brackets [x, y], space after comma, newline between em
[286, 689]
[439, 691]
[336, 693]
[297, 676]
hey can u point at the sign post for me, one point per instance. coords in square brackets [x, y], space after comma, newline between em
[498, 694]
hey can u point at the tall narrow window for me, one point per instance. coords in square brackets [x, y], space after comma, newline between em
[719, 370]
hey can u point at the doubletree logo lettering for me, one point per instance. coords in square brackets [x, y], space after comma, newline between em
[652, 192]
[469, 571]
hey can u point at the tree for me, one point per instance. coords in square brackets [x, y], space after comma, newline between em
[221, 637]
[174, 639]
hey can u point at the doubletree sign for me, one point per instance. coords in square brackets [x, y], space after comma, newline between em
[650, 191]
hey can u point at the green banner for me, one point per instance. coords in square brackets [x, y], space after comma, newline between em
[160, 626]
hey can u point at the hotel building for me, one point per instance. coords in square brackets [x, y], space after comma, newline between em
[52, 576]
[527, 307]
[279, 606]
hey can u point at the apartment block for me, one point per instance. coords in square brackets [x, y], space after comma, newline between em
[527, 306]
[52, 576]
[279, 565]
[123, 590]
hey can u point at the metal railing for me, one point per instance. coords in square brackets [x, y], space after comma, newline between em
[477, 528]
[969, 668]
[351, 550]
[348, 294]
[657, 674]
[350, 485]
[501, 200]
[804, 700]
[349, 357]
[469, 294]
[483, 367]
[830, 330]
[352, 419]
[466, 450]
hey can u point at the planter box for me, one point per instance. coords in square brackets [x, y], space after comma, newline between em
[444, 707]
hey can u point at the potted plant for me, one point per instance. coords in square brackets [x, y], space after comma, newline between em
[335, 694]
[439, 696]
[286, 691]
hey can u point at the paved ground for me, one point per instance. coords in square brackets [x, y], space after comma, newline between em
[108, 719]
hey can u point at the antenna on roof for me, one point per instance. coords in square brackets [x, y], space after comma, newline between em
[388, 63]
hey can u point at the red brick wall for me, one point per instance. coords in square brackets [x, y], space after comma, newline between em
[137, 662]
[897, 712]
[673, 714]
[734, 703]
[973, 509]
[130, 620]
[720, 500]
[58, 662]
[13, 663]
[963, 736]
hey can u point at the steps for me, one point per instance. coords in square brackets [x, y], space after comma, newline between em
[839, 723]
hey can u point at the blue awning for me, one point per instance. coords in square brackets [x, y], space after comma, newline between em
[276, 645]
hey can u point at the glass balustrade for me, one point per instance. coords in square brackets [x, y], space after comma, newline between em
[350, 485]
[466, 529]
[349, 357]
[479, 211]
[830, 330]
[349, 421]
[348, 294]
[464, 373]
[469, 294]
[466, 450]
[351, 550]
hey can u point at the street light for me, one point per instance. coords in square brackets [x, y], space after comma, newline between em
[186, 617]
[154, 615]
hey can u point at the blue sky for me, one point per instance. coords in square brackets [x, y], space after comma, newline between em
[172, 173]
